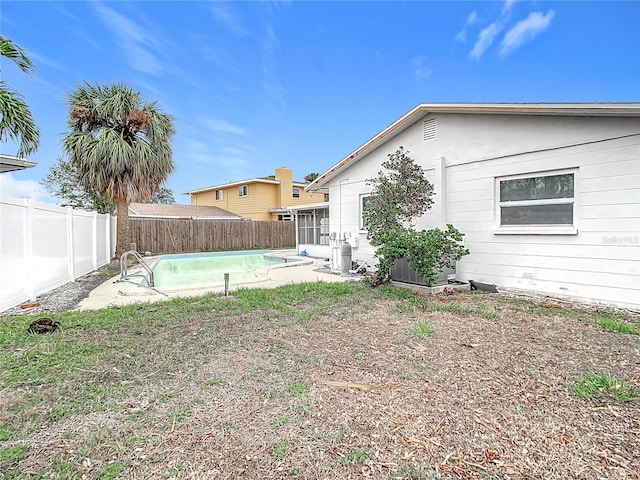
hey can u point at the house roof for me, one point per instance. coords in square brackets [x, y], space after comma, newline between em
[424, 109]
[157, 210]
[244, 182]
[9, 163]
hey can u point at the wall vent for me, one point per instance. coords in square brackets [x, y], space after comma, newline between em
[430, 131]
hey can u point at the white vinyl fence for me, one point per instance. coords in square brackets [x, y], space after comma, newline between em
[44, 246]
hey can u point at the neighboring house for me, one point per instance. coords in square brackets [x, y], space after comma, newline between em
[547, 195]
[264, 198]
[194, 212]
[9, 163]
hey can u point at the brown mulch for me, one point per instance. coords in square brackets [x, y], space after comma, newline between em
[487, 396]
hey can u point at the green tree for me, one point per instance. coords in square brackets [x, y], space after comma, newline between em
[120, 146]
[163, 195]
[399, 196]
[64, 182]
[310, 177]
[17, 123]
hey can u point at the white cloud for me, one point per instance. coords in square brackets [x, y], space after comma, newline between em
[485, 39]
[238, 152]
[507, 5]
[225, 16]
[144, 60]
[192, 144]
[272, 86]
[10, 187]
[525, 30]
[462, 34]
[222, 126]
[419, 68]
[134, 38]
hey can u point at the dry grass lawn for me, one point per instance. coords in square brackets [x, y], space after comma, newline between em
[321, 382]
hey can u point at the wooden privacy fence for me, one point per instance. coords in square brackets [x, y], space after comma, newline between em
[190, 236]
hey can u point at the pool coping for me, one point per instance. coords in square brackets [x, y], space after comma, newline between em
[116, 292]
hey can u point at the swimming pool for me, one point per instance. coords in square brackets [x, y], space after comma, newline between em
[209, 268]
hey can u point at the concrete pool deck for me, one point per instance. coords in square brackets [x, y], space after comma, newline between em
[115, 292]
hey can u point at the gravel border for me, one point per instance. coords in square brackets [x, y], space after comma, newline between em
[66, 297]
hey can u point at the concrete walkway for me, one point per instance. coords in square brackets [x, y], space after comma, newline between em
[115, 292]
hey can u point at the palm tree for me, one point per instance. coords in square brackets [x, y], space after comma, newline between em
[17, 122]
[121, 146]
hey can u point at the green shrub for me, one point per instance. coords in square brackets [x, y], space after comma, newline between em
[428, 251]
[400, 194]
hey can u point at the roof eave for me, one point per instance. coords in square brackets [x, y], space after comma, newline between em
[10, 163]
[422, 110]
[308, 206]
[232, 184]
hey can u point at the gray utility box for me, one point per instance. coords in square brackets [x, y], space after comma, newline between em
[402, 272]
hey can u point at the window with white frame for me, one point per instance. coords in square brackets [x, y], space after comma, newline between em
[364, 201]
[537, 201]
[218, 194]
[296, 193]
[243, 191]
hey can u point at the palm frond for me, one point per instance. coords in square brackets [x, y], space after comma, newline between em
[120, 143]
[17, 123]
[12, 51]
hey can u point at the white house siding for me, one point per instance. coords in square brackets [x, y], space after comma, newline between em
[345, 189]
[600, 263]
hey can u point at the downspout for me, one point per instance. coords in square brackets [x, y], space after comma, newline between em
[443, 193]
[340, 211]
[297, 237]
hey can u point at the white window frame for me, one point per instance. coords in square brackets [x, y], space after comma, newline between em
[361, 199]
[537, 229]
[219, 194]
[243, 191]
[296, 192]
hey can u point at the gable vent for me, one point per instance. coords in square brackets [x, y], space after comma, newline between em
[429, 126]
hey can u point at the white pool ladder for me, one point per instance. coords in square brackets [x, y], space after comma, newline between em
[124, 265]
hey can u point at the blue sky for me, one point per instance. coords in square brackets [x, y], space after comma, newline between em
[258, 85]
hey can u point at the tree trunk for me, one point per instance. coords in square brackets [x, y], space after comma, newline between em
[122, 228]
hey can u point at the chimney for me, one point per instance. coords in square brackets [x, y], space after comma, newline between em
[285, 175]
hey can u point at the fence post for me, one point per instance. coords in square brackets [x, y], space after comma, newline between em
[71, 274]
[28, 248]
[94, 235]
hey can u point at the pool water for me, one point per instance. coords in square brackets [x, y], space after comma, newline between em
[177, 270]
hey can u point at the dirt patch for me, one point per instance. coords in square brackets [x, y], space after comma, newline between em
[350, 393]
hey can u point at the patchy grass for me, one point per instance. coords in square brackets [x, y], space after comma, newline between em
[297, 387]
[321, 381]
[280, 422]
[421, 330]
[11, 456]
[597, 386]
[614, 325]
[282, 449]
[357, 456]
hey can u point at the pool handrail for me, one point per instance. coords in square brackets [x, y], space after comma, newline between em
[124, 265]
